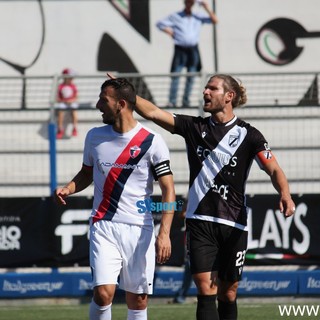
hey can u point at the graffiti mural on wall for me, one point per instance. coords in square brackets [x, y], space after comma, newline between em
[21, 68]
[41, 37]
[111, 56]
[136, 13]
[276, 41]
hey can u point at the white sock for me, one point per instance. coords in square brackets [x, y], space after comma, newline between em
[99, 312]
[137, 314]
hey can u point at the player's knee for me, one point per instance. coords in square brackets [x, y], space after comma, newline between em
[227, 291]
[102, 295]
[206, 285]
[136, 301]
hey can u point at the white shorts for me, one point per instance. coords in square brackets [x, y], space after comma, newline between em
[65, 106]
[128, 251]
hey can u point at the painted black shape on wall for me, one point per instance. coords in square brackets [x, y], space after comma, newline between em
[137, 14]
[112, 57]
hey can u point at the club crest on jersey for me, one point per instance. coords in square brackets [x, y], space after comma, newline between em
[134, 151]
[233, 140]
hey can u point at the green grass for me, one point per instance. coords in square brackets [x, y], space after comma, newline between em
[258, 310]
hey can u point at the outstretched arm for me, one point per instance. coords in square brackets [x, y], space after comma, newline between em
[81, 181]
[151, 112]
[163, 242]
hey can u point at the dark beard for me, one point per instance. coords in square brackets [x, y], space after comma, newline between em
[110, 121]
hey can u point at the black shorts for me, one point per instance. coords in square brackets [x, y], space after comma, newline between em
[216, 247]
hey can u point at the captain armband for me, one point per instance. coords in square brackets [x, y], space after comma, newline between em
[161, 169]
[263, 157]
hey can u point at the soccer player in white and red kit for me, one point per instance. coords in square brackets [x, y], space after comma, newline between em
[220, 150]
[122, 159]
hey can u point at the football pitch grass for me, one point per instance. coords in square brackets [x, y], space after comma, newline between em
[258, 309]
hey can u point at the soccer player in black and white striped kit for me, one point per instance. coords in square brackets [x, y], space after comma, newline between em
[220, 151]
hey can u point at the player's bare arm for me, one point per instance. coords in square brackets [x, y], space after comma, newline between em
[151, 112]
[163, 243]
[280, 183]
[81, 181]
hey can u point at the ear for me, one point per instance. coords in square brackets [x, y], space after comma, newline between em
[230, 95]
[122, 103]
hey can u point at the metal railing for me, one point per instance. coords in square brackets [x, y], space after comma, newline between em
[285, 107]
[268, 89]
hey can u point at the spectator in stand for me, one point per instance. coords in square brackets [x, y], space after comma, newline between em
[67, 97]
[184, 27]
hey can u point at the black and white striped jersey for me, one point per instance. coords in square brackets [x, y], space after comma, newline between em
[220, 157]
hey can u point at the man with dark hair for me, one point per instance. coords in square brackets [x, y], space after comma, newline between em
[123, 158]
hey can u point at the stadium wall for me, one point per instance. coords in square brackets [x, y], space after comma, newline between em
[41, 37]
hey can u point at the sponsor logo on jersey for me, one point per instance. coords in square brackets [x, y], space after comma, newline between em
[203, 134]
[103, 166]
[134, 151]
[216, 157]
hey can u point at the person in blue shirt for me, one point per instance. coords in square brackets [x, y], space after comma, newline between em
[184, 27]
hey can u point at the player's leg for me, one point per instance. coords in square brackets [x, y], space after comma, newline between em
[137, 273]
[231, 266]
[137, 306]
[227, 300]
[206, 283]
[203, 249]
[105, 263]
[100, 306]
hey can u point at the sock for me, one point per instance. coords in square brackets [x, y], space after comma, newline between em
[228, 310]
[99, 312]
[206, 308]
[137, 314]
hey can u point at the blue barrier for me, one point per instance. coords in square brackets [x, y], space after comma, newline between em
[77, 284]
[266, 283]
[309, 283]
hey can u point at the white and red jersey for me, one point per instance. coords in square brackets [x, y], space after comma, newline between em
[124, 168]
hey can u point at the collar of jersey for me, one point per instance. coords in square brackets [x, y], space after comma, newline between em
[128, 133]
[223, 124]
